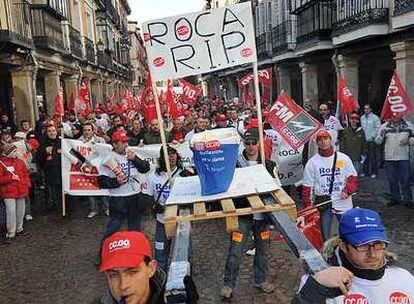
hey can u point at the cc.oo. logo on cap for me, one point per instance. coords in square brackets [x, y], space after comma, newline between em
[120, 244]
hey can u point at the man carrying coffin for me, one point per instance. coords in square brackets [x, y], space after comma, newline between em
[119, 174]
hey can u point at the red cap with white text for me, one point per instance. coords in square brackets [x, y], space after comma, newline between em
[124, 250]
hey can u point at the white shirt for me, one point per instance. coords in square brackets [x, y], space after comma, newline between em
[333, 125]
[370, 124]
[317, 175]
[189, 135]
[395, 287]
[132, 186]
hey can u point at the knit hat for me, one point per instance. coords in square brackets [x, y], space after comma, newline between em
[9, 149]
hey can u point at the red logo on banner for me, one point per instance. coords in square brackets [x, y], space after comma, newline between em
[82, 182]
[292, 122]
[212, 145]
[159, 61]
[146, 37]
[348, 103]
[182, 30]
[397, 101]
[356, 299]
[246, 52]
[399, 298]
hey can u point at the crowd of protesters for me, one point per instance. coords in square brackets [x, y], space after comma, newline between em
[333, 161]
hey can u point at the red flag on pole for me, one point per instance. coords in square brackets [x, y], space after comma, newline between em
[59, 110]
[397, 101]
[348, 103]
[83, 104]
[190, 92]
[71, 105]
[148, 101]
[172, 108]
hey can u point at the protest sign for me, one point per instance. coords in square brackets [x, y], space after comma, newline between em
[201, 42]
[292, 122]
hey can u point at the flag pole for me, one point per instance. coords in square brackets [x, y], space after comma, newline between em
[162, 131]
[259, 111]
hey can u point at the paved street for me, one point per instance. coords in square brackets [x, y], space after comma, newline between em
[55, 262]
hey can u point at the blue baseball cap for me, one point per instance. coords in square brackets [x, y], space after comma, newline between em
[360, 226]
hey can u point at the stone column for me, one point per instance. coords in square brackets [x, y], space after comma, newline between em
[52, 85]
[310, 82]
[348, 68]
[404, 59]
[283, 80]
[71, 87]
[24, 94]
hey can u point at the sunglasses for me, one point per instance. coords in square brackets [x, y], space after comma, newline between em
[250, 142]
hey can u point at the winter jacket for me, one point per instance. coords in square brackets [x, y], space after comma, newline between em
[393, 135]
[157, 285]
[10, 188]
[353, 143]
[312, 292]
[370, 124]
[51, 163]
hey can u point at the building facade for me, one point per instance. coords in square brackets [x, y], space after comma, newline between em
[309, 43]
[48, 44]
[138, 57]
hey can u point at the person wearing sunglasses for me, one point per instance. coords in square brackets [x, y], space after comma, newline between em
[362, 270]
[256, 225]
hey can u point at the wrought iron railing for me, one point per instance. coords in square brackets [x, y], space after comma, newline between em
[261, 44]
[75, 40]
[297, 6]
[47, 31]
[284, 36]
[89, 50]
[105, 60]
[112, 12]
[403, 6]
[15, 25]
[315, 22]
[355, 14]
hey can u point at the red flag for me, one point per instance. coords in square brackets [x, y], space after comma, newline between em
[71, 105]
[397, 101]
[265, 76]
[190, 92]
[130, 105]
[172, 108]
[348, 103]
[148, 101]
[59, 110]
[83, 103]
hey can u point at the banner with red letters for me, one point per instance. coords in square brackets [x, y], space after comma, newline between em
[293, 123]
[397, 101]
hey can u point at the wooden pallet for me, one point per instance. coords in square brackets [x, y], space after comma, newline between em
[228, 211]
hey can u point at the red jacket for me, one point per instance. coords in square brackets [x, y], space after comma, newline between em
[10, 188]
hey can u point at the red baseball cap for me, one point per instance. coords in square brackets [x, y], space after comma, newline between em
[323, 133]
[124, 249]
[120, 136]
[355, 116]
[221, 117]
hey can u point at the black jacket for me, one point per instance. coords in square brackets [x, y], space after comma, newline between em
[51, 163]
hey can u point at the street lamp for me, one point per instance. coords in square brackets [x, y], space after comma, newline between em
[100, 45]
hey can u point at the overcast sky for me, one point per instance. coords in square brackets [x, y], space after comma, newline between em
[144, 10]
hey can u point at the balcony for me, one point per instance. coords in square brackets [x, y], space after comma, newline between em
[105, 60]
[112, 13]
[75, 40]
[57, 8]
[314, 28]
[403, 15]
[89, 50]
[403, 7]
[284, 37]
[298, 6]
[15, 27]
[47, 31]
[261, 45]
[360, 18]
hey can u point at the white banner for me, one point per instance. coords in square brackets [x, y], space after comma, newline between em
[201, 42]
[81, 162]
